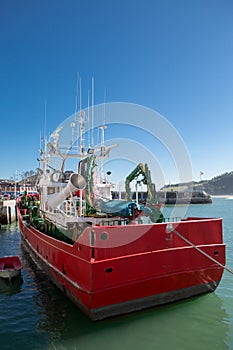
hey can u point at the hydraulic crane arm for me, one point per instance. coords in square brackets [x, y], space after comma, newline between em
[143, 170]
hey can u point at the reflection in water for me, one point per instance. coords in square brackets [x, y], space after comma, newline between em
[10, 287]
[194, 324]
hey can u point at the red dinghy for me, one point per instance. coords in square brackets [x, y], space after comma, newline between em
[10, 266]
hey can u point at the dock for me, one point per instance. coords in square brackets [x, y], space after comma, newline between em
[7, 211]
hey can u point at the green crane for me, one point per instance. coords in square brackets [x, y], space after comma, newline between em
[143, 170]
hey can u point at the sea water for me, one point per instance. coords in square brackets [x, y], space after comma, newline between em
[34, 314]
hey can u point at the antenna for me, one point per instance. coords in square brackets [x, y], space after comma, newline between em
[102, 128]
[88, 119]
[45, 121]
[78, 96]
[81, 130]
[92, 110]
[104, 109]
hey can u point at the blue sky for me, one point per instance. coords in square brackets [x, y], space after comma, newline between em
[172, 56]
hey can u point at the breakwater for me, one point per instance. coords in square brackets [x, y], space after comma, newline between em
[8, 212]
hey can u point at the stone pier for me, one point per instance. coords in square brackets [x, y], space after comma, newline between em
[7, 212]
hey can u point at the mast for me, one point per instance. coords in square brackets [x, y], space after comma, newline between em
[81, 130]
[88, 119]
[92, 111]
[76, 95]
[102, 128]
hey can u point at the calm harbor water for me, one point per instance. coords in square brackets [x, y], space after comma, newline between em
[36, 315]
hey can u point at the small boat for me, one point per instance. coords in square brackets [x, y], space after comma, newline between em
[10, 266]
[112, 257]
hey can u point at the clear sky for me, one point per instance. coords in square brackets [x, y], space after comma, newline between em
[173, 56]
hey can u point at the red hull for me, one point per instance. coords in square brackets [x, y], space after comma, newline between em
[112, 270]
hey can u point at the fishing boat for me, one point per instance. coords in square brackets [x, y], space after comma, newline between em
[112, 256]
[10, 266]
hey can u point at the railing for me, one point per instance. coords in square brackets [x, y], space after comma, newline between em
[74, 207]
[138, 221]
[172, 219]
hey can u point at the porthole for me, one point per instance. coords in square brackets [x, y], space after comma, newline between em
[104, 236]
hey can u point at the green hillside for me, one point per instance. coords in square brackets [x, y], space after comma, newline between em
[219, 185]
[222, 184]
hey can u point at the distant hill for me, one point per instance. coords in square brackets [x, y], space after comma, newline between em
[222, 184]
[219, 185]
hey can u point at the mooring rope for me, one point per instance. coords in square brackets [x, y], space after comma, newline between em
[201, 251]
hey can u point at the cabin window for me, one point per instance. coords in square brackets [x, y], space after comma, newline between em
[51, 190]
